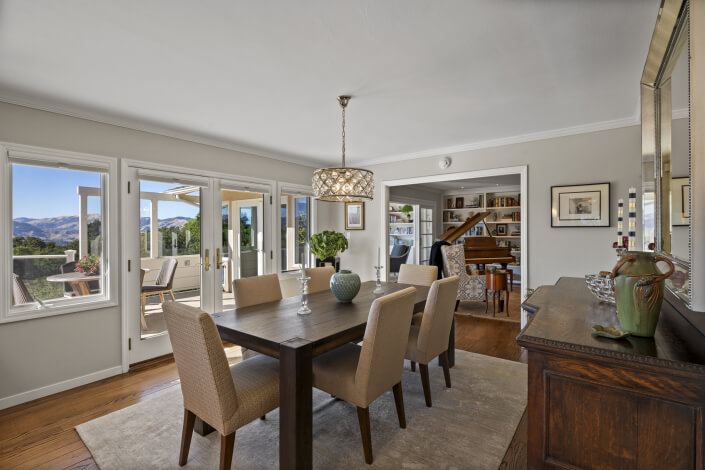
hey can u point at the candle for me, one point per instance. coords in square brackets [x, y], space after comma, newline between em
[379, 256]
[632, 217]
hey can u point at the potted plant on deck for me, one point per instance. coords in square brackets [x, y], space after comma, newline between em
[326, 245]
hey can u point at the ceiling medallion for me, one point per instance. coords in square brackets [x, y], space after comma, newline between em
[342, 184]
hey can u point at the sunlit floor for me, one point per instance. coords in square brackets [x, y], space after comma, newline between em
[155, 318]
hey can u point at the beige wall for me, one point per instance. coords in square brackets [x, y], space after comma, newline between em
[35, 354]
[607, 156]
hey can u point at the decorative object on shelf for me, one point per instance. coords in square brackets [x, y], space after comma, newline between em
[342, 184]
[620, 223]
[354, 216]
[639, 286]
[632, 217]
[345, 285]
[586, 205]
[445, 162]
[602, 286]
[501, 229]
[88, 265]
[609, 332]
[406, 209]
[449, 204]
[473, 201]
[327, 244]
[459, 202]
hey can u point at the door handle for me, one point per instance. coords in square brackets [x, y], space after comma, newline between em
[207, 262]
[218, 261]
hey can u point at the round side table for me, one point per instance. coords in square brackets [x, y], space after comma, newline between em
[497, 282]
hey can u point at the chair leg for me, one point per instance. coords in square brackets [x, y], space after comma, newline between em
[263, 417]
[399, 402]
[161, 296]
[363, 416]
[446, 369]
[413, 366]
[143, 320]
[506, 302]
[487, 304]
[171, 294]
[423, 368]
[457, 304]
[189, 420]
[227, 444]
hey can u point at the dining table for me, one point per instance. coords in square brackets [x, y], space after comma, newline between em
[277, 330]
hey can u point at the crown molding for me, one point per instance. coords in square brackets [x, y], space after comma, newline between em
[517, 139]
[160, 130]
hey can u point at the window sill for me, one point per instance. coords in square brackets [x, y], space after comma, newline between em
[59, 307]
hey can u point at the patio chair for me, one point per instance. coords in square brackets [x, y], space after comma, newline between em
[164, 282]
[70, 267]
[20, 294]
[471, 287]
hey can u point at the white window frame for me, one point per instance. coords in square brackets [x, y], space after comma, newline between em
[11, 153]
[295, 190]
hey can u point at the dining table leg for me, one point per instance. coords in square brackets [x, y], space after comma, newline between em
[295, 404]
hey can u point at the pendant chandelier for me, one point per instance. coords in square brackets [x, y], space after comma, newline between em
[341, 184]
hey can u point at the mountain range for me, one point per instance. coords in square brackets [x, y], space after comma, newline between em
[61, 230]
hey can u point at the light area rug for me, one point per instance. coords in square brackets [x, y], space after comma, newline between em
[470, 426]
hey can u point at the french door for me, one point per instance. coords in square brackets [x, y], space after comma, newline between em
[187, 237]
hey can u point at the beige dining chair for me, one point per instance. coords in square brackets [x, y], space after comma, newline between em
[359, 375]
[320, 278]
[430, 339]
[225, 397]
[417, 274]
[254, 291]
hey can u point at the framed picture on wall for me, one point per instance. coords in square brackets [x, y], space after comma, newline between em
[680, 201]
[354, 216]
[586, 205]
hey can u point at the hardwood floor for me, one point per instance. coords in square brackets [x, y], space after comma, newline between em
[40, 434]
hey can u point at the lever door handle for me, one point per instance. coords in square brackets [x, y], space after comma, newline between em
[218, 261]
[207, 261]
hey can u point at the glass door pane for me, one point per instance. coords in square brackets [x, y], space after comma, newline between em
[295, 229]
[170, 250]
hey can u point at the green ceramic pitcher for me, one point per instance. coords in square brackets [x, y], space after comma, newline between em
[638, 290]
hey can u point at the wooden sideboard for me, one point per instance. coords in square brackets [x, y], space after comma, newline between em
[597, 403]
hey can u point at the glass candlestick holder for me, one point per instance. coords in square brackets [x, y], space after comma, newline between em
[304, 309]
[378, 284]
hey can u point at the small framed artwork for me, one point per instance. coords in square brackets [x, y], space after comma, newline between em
[680, 201]
[459, 202]
[354, 216]
[501, 229]
[586, 205]
[474, 201]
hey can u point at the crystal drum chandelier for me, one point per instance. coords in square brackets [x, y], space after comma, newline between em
[343, 184]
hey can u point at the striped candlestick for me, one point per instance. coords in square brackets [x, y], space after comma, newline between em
[620, 222]
[632, 217]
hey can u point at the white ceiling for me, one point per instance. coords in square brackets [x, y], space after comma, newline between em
[427, 77]
[469, 184]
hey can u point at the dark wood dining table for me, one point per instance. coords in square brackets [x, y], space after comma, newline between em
[275, 329]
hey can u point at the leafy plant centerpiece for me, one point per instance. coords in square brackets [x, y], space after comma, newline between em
[327, 244]
[88, 265]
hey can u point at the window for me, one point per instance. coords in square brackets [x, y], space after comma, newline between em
[56, 241]
[295, 229]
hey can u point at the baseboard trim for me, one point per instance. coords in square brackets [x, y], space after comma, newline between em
[29, 395]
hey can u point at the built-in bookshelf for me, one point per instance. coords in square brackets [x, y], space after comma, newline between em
[403, 228]
[503, 221]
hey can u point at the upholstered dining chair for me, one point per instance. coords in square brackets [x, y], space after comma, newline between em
[320, 278]
[226, 397]
[359, 375]
[163, 283]
[417, 274]
[254, 291]
[20, 293]
[430, 339]
[471, 287]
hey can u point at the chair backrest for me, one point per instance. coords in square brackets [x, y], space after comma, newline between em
[20, 294]
[453, 260]
[384, 344]
[399, 250]
[320, 278]
[417, 274]
[256, 290]
[438, 316]
[166, 273]
[142, 273]
[68, 268]
[206, 382]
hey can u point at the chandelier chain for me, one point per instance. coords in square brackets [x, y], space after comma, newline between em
[343, 136]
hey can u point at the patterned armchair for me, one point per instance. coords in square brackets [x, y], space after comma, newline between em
[471, 287]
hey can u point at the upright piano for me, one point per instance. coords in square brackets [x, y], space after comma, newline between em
[480, 250]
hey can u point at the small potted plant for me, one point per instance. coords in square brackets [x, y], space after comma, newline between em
[406, 210]
[88, 265]
[327, 244]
